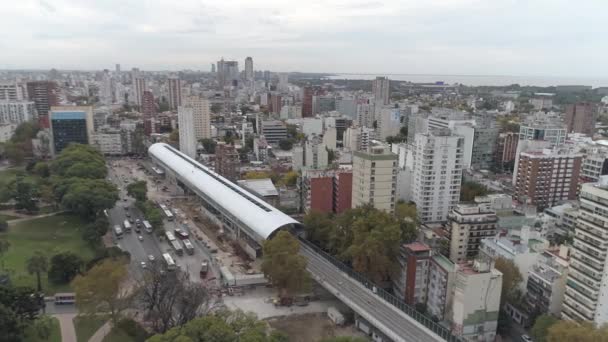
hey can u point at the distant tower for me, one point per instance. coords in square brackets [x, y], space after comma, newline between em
[45, 94]
[380, 88]
[149, 111]
[175, 92]
[212, 68]
[117, 68]
[249, 68]
[139, 86]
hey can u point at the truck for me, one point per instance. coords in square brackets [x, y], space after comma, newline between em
[127, 226]
[204, 269]
[188, 246]
[169, 236]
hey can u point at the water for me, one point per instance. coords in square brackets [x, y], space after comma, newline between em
[483, 80]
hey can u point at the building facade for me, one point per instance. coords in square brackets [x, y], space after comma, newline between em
[175, 92]
[381, 90]
[16, 112]
[546, 178]
[468, 225]
[412, 283]
[375, 178]
[227, 161]
[148, 108]
[70, 124]
[587, 285]
[201, 111]
[187, 135]
[274, 131]
[436, 174]
[581, 118]
[44, 94]
[505, 151]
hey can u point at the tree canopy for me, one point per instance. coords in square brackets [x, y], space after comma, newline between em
[138, 190]
[282, 264]
[366, 238]
[469, 190]
[577, 331]
[81, 161]
[221, 327]
[64, 267]
[511, 278]
[541, 327]
[88, 197]
[101, 289]
[37, 264]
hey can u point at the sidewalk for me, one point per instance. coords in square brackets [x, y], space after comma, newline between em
[28, 218]
[66, 324]
[100, 334]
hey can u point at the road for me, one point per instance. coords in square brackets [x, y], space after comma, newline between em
[388, 319]
[121, 169]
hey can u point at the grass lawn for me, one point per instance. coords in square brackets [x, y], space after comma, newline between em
[50, 235]
[30, 334]
[86, 326]
[117, 335]
[7, 217]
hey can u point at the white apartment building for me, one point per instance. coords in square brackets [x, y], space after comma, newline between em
[468, 225]
[437, 172]
[587, 286]
[274, 131]
[12, 91]
[201, 116]
[388, 122]
[316, 155]
[187, 133]
[547, 282]
[16, 112]
[381, 90]
[476, 301]
[6, 132]
[365, 115]
[375, 178]
[108, 142]
[358, 138]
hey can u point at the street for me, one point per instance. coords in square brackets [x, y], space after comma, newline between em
[122, 172]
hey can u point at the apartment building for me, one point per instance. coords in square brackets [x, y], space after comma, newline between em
[547, 283]
[412, 283]
[468, 225]
[375, 178]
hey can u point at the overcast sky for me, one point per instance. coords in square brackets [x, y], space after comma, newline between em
[487, 37]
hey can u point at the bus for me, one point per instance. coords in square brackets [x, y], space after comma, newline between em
[169, 214]
[188, 246]
[169, 261]
[65, 298]
[169, 236]
[147, 226]
[177, 247]
[127, 226]
[118, 231]
[162, 206]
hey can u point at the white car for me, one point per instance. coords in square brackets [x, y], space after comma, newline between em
[526, 338]
[140, 238]
[143, 264]
[151, 257]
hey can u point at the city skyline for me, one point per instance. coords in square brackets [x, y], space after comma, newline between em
[456, 38]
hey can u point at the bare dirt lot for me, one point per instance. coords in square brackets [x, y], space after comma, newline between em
[311, 328]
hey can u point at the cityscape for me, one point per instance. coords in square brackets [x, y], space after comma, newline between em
[230, 202]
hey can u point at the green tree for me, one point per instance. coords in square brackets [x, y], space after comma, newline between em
[64, 267]
[24, 194]
[208, 145]
[138, 190]
[102, 289]
[216, 108]
[37, 264]
[256, 175]
[94, 231]
[11, 328]
[469, 190]
[3, 224]
[221, 327]
[42, 169]
[290, 178]
[4, 246]
[541, 327]
[81, 161]
[511, 278]
[284, 267]
[43, 327]
[88, 197]
[583, 331]
[14, 152]
[23, 301]
[319, 227]
[285, 144]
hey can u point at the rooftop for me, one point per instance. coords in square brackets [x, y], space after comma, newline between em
[263, 187]
[417, 247]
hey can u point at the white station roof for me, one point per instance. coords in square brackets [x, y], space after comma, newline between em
[256, 214]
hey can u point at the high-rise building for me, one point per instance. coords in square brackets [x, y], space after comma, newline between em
[484, 142]
[106, 93]
[468, 225]
[505, 149]
[117, 68]
[547, 177]
[44, 94]
[544, 127]
[12, 92]
[227, 161]
[476, 301]
[187, 136]
[326, 191]
[365, 114]
[436, 174]
[16, 112]
[586, 296]
[139, 86]
[227, 73]
[212, 68]
[316, 155]
[546, 283]
[581, 118]
[381, 90]
[70, 124]
[412, 283]
[148, 108]
[249, 69]
[595, 164]
[388, 122]
[175, 92]
[202, 116]
[375, 178]
[283, 82]
[307, 95]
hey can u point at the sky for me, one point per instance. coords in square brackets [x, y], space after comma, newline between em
[560, 38]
